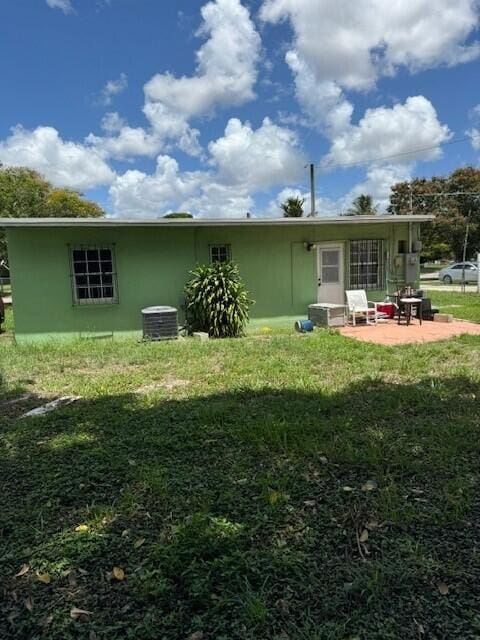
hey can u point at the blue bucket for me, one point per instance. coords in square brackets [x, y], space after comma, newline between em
[302, 326]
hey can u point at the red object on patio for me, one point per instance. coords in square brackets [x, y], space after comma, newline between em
[388, 308]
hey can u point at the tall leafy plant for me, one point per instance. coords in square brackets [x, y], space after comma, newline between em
[217, 301]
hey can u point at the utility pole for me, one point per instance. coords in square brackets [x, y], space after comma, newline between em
[312, 189]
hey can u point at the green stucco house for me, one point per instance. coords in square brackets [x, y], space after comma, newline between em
[92, 277]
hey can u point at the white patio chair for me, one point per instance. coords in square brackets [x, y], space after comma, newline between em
[359, 307]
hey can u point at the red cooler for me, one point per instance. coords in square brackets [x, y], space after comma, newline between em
[388, 308]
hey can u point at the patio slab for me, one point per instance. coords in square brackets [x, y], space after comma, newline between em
[393, 333]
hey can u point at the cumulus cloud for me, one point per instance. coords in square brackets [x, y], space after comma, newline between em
[378, 183]
[323, 101]
[474, 135]
[217, 200]
[394, 131]
[474, 132]
[137, 194]
[343, 46]
[65, 163]
[323, 206]
[225, 75]
[63, 5]
[112, 122]
[126, 142]
[113, 88]
[257, 158]
[353, 44]
[244, 161]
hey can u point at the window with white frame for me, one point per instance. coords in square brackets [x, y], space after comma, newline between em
[93, 275]
[219, 252]
[367, 268]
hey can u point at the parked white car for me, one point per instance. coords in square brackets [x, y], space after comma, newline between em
[454, 272]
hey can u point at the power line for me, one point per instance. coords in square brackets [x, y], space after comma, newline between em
[407, 153]
[447, 193]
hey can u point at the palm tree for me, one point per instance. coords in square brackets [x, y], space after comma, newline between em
[362, 206]
[293, 207]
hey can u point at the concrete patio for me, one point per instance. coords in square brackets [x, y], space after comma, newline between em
[391, 333]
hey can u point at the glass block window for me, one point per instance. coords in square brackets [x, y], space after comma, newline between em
[219, 253]
[367, 269]
[93, 275]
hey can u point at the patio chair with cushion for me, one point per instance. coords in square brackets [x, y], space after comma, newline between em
[359, 308]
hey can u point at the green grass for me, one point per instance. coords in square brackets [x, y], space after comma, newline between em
[461, 305]
[5, 289]
[225, 478]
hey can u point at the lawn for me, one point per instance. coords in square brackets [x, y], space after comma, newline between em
[460, 305]
[273, 487]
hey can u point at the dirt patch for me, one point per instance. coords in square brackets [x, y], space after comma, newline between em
[112, 367]
[169, 383]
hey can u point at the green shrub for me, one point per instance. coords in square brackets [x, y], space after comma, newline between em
[217, 301]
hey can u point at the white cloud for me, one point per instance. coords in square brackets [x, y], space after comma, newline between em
[273, 209]
[378, 183]
[219, 201]
[113, 88]
[244, 161]
[137, 194]
[112, 122]
[474, 132]
[392, 131]
[63, 5]
[347, 46]
[257, 159]
[324, 206]
[474, 135]
[125, 143]
[354, 43]
[225, 75]
[323, 101]
[65, 163]
[474, 113]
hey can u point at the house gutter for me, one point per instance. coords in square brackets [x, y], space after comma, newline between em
[209, 222]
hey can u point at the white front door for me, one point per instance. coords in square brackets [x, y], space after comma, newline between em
[330, 273]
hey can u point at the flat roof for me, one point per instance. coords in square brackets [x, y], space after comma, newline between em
[206, 222]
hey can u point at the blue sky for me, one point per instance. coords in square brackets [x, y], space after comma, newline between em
[216, 107]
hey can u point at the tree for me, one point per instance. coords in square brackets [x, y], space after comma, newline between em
[362, 206]
[66, 203]
[179, 214]
[454, 201]
[293, 207]
[24, 193]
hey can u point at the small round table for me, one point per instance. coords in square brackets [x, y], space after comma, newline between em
[408, 304]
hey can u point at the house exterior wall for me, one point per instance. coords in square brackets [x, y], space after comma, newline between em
[152, 265]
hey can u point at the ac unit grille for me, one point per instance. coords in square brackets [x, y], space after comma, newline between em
[160, 323]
